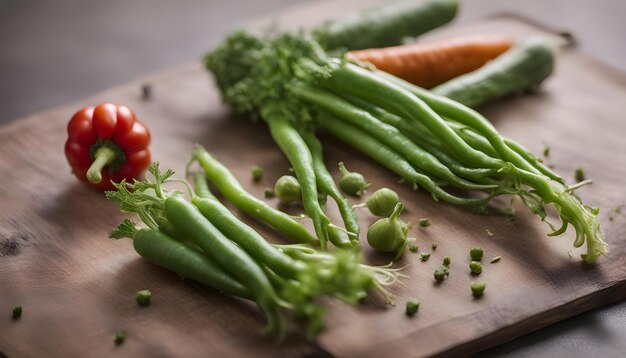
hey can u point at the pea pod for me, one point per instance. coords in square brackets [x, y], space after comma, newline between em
[190, 222]
[228, 185]
[243, 235]
[327, 185]
[162, 250]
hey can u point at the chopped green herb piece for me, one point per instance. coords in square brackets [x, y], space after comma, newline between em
[495, 259]
[120, 337]
[143, 297]
[546, 151]
[424, 256]
[424, 222]
[413, 248]
[476, 267]
[476, 253]
[446, 261]
[269, 193]
[257, 173]
[411, 307]
[478, 288]
[17, 312]
[579, 174]
[434, 246]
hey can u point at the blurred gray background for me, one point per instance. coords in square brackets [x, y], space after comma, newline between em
[53, 52]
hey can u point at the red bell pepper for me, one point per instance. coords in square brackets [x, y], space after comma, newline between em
[107, 143]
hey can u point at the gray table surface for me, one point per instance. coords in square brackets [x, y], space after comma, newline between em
[53, 52]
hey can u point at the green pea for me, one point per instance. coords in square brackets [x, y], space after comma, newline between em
[579, 174]
[382, 202]
[17, 312]
[352, 183]
[269, 193]
[476, 253]
[411, 307]
[478, 288]
[257, 173]
[143, 297]
[446, 261]
[120, 337]
[476, 267]
[287, 189]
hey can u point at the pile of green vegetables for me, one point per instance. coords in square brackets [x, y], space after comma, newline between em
[297, 85]
[202, 240]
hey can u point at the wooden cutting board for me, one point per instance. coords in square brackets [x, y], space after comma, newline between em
[77, 287]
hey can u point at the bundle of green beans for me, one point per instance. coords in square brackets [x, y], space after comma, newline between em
[202, 240]
[428, 140]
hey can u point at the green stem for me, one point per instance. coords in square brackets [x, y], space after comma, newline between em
[103, 157]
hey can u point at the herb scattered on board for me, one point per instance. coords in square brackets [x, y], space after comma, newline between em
[413, 248]
[257, 173]
[579, 174]
[446, 261]
[120, 337]
[434, 246]
[411, 307]
[495, 259]
[424, 256]
[269, 193]
[424, 222]
[17, 312]
[546, 151]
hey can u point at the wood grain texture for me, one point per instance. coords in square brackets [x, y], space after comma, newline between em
[77, 287]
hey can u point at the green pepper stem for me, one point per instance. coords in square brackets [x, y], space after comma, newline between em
[103, 157]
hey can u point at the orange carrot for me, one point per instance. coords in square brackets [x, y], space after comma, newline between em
[430, 64]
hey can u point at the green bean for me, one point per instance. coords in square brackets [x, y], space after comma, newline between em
[327, 185]
[362, 83]
[188, 220]
[228, 185]
[243, 235]
[164, 251]
[387, 134]
[420, 135]
[298, 154]
[388, 158]
[465, 115]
